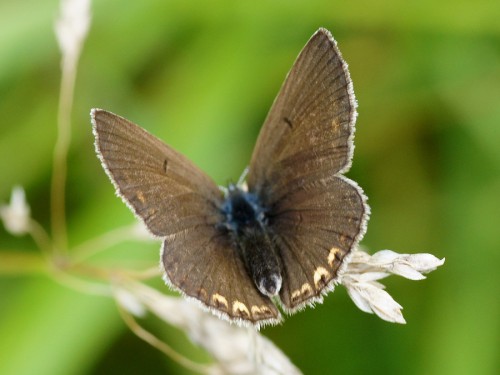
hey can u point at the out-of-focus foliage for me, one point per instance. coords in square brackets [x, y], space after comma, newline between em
[201, 76]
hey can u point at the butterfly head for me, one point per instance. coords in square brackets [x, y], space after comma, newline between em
[242, 211]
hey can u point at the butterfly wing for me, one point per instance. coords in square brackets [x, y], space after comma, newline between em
[222, 283]
[161, 186]
[316, 228]
[179, 202]
[305, 145]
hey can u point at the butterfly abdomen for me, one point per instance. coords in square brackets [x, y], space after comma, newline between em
[246, 225]
[261, 258]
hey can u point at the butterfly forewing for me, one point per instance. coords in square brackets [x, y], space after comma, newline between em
[308, 130]
[316, 214]
[166, 190]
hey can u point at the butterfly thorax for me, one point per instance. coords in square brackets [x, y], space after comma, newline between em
[246, 224]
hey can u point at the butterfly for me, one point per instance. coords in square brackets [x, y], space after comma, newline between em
[283, 238]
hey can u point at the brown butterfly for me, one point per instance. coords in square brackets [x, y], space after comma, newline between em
[282, 239]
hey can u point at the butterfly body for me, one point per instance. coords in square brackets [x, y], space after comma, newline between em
[283, 241]
[248, 227]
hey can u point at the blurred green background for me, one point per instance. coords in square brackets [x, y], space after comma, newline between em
[202, 76]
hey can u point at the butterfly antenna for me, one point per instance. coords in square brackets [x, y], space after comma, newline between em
[224, 189]
[243, 177]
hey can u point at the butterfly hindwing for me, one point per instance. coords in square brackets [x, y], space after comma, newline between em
[206, 266]
[316, 228]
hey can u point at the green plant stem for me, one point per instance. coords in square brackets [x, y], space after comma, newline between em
[96, 245]
[41, 238]
[17, 262]
[58, 186]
